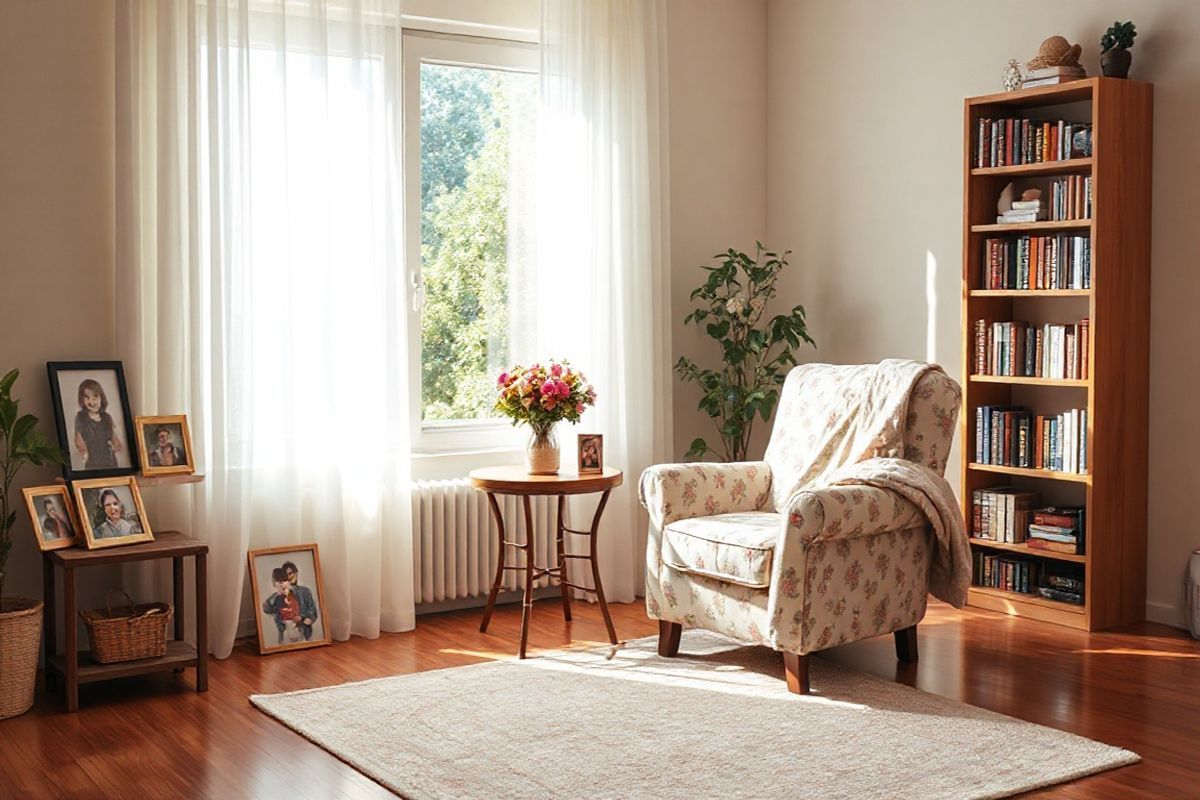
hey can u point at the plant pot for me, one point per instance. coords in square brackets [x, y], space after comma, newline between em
[1115, 63]
[20, 637]
[542, 453]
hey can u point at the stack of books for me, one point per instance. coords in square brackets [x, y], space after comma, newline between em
[1006, 142]
[1018, 349]
[1002, 514]
[1037, 262]
[1009, 574]
[1023, 211]
[1063, 588]
[1058, 530]
[1052, 76]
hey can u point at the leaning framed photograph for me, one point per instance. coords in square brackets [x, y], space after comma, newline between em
[164, 445]
[289, 597]
[591, 453]
[53, 516]
[92, 415]
[111, 512]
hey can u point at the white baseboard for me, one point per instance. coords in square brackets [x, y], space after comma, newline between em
[1166, 614]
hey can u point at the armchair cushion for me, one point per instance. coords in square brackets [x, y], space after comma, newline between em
[735, 548]
[844, 512]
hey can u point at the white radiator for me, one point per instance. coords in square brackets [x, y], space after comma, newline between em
[456, 544]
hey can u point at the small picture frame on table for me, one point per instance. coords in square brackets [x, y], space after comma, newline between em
[289, 598]
[164, 445]
[111, 512]
[52, 514]
[591, 454]
[92, 415]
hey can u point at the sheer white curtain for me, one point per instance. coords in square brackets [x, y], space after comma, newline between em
[603, 264]
[260, 285]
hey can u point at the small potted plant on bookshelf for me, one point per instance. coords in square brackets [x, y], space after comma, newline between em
[20, 617]
[1114, 50]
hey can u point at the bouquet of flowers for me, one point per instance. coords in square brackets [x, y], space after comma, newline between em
[543, 394]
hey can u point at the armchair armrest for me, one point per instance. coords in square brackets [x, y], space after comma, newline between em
[671, 492]
[846, 512]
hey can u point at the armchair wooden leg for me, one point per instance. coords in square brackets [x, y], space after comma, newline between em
[668, 638]
[906, 644]
[795, 669]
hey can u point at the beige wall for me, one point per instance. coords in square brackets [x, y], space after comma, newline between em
[717, 95]
[56, 211]
[864, 148]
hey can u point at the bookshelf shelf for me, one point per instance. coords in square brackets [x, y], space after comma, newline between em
[1026, 381]
[1027, 551]
[1073, 166]
[1115, 397]
[1033, 227]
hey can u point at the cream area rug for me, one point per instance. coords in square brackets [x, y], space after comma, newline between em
[715, 722]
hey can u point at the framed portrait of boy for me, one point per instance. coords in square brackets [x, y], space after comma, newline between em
[164, 445]
[591, 454]
[289, 598]
[111, 512]
[55, 524]
[93, 419]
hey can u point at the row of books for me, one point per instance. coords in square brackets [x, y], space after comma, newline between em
[1012, 436]
[1026, 577]
[1063, 588]
[1071, 197]
[1007, 141]
[1037, 262]
[1009, 515]
[1018, 349]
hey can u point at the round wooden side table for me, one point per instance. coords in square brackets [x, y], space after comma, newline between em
[514, 480]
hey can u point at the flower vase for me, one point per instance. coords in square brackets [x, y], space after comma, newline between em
[542, 452]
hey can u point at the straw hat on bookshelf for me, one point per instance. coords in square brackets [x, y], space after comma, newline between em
[1056, 52]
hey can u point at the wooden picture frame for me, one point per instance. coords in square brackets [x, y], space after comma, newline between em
[288, 634]
[591, 453]
[69, 381]
[149, 432]
[45, 520]
[93, 506]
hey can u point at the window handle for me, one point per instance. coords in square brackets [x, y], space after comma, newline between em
[418, 291]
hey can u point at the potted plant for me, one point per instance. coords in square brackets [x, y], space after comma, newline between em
[20, 617]
[1114, 50]
[757, 352]
[542, 395]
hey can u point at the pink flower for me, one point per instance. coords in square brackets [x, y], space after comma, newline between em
[556, 370]
[563, 390]
[579, 408]
[503, 379]
[548, 388]
[549, 403]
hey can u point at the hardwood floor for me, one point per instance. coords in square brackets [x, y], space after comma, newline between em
[152, 737]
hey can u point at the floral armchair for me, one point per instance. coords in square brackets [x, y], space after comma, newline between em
[802, 573]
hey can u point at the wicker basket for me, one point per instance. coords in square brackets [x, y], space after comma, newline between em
[20, 638]
[129, 633]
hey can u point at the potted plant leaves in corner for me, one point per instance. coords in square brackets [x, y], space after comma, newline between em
[20, 617]
[1114, 50]
[757, 351]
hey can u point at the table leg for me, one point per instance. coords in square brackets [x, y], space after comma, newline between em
[71, 650]
[500, 565]
[529, 557]
[201, 622]
[177, 586]
[562, 560]
[608, 623]
[49, 632]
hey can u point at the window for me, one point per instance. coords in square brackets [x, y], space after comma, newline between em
[470, 125]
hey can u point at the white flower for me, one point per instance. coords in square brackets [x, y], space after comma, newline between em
[757, 303]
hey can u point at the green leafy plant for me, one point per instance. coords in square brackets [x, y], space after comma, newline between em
[21, 443]
[757, 352]
[1119, 37]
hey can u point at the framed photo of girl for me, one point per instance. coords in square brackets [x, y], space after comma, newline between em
[591, 454]
[111, 512]
[289, 597]
[55, 523]
[91, 413]
[164, 445]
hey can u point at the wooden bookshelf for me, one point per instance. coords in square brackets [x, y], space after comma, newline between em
[1118, 307]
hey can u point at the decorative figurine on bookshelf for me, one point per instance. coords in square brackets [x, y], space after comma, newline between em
[1114, 50]
[1012, 76]
[1057, 61]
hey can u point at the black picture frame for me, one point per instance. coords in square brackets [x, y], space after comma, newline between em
[65, 426]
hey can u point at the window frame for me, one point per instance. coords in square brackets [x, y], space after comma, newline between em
[426, 47]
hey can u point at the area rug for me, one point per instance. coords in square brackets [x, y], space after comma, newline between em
[715, 722]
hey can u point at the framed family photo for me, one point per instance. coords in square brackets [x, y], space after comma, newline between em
[591, 453]
[289, 597]
[111, 512]
[164, 445]
[91, 413]
[53, 517]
